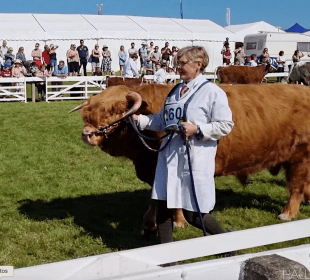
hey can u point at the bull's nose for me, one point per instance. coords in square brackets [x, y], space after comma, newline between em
[85, 138]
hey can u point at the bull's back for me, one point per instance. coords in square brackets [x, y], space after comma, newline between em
[270, 120]
[241, 74]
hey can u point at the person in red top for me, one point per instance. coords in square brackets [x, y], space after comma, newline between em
[6, 72]
[46, 56]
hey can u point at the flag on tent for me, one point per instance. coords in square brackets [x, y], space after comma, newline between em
[297, 28]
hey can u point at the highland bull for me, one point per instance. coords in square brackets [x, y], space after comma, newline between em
[272, 130]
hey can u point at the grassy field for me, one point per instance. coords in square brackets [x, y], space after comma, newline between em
[61, 199]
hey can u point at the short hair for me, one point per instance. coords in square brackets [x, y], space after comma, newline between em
[281, 53]
[134, 55]
[62, 61]
[253, 56]
[195, 53]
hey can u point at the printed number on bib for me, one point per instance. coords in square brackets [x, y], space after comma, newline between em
[173, 114]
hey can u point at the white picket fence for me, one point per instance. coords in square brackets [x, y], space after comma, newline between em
[79, 87]
[143, 263]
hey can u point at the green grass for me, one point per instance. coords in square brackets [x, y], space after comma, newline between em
[59, 201]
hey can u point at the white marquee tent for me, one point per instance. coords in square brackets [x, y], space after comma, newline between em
[64, 29]
[241, 30]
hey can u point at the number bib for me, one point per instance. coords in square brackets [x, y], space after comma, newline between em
[173, 114]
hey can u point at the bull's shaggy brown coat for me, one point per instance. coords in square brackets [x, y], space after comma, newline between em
[272, 129]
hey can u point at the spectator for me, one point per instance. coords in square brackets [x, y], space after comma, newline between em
[21, 55]
[253, 62]
[61, 70]
[160, 74]
[6, 72]
[166, 52]
[53, 57]
[151, 48]
[122, 57]
[173, 59]
[42, 72]
[239, 55]
[227, 56]
[73, 60]
[9, 57]
[37, 55]
[173, 80]
[225, 46]
[1, 63]
[265, 56]
[130, 67]
[155, 57]
[3, 48]
[83, 54]
[132, 50]
[149, 67]
[18, 70]
[46, 56]
[106, 61]
[95, 59]
[297, 56]
[281, 62]
[143, 55]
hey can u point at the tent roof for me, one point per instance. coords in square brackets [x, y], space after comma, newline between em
[20, 27]
[252, 28]
[75, 26]
[296, 28]
[307, 33]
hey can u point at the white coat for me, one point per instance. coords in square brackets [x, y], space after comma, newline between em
[209, 109]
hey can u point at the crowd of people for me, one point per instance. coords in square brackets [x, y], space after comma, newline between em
[153, 61]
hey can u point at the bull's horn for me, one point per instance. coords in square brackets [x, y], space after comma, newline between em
[137, 99]
[80, 106]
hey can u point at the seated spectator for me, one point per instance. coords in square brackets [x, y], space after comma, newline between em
[130, 67]
[95, 57]
[42, 72]
[253, 61]
[160, 74]
[9, 57]
[21, 55]
[6, 72]
[227, 56]
[73, 60]
[265, 56]
[18, 70]
[53, 57]
[171, 72]
[46, 56]
[37, 55]
[122, 57]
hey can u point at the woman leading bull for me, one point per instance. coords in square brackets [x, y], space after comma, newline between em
[202, 108]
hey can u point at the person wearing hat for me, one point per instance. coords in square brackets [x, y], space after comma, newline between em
[160, 74]
[106, 61]
[6, 71]
[37, 55]
[143, 55]
[9, 57]
[18, 70]
[95, 56]
[130, 67]
[166, 52]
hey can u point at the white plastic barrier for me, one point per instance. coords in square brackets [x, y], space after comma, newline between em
[143, 263]
[13, 89]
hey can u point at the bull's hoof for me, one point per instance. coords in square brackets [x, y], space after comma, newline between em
[180, 224]
[284, 217]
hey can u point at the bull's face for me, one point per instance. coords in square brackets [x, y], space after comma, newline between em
[104, 115]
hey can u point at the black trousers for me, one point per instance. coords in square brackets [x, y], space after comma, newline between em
[83, 62]
[165, 222]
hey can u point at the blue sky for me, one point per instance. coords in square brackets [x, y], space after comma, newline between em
[278, 13]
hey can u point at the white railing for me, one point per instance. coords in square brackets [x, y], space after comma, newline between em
[143, 263]
[13, 89]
